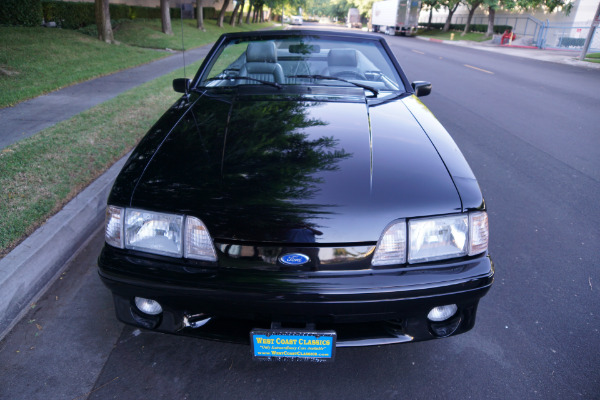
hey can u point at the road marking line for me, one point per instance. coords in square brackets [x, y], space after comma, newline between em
[418, 52]
[479, 69]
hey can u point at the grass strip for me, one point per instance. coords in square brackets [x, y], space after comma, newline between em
[39, 175]
[34, 61]
[438, 34]
[592, 57]
[148, 34]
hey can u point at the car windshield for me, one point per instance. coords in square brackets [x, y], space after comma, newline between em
[304, 60]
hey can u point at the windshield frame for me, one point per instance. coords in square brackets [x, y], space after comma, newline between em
[379, 42]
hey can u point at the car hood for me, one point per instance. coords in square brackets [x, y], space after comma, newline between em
[273, 169]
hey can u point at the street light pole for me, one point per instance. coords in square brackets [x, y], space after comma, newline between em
[595, 23]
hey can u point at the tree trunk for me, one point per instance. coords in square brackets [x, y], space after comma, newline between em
[105, 32]
[241, 13]
[222, 13]
[249, 12]
[451, 12]
[234, 15]
[199, 15]
[470, 18]
[490, 29]
[430, 18]
[165, 17]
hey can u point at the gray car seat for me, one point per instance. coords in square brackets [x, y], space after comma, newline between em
[343, 63]
[261, 63]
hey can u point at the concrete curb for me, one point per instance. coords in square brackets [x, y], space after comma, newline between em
[26, 271]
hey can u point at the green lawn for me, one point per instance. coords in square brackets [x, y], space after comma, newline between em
[593, 57]
[438, 34]
[39, 60]
[148, 33]
[40, 174]
[34, 61]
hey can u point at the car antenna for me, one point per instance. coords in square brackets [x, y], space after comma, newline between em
[183, 49]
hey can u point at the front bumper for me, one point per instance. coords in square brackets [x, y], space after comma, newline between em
[366, 307]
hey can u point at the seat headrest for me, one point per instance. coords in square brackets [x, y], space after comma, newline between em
[261, 52]
[342, 58]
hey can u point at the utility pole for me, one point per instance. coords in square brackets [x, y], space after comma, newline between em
[595, 23]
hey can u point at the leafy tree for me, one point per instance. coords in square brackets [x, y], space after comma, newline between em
[250, 7]
[105, 32]
[451, 5]
[492, 5]
[234, 15]
[339, 8]
[241, 14]
[549, 5]
[222, 13]
[431, 5]
[165, 17]
[472, 5]
[258, 11]
[199, 15]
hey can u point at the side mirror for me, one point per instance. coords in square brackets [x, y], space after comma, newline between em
[181, 85]
[421, 88]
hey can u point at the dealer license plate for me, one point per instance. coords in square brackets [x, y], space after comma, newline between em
[293, 345]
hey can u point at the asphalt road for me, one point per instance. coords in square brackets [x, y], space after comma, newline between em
[530, 132]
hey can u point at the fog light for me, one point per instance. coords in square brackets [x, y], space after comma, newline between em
[148, 306]
[442, 313]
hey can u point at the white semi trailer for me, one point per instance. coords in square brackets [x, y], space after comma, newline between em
[396, 17]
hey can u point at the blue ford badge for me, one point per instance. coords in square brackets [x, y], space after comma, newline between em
[294, 259]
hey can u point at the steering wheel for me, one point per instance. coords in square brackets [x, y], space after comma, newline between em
[350, 75]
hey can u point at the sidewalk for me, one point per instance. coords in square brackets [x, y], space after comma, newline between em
[31, 267]
[29, 117]
[567, 57]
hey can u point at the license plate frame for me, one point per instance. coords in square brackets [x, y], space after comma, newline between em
[293, 345]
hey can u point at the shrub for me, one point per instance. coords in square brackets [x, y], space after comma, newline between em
[209, 13]
[474, 27]
[21, 12]
[71, 15]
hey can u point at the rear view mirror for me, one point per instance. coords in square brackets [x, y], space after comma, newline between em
[304, 48]
[181, 85]
[421, 88]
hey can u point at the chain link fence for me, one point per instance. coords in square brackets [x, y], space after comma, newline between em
[531, 31]
[567, 37]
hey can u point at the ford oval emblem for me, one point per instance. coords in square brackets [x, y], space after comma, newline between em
[294, 259]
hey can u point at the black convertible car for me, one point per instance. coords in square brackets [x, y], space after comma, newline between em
[298, 197]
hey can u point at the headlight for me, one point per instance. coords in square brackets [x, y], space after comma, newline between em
[158, 233]
[113, 226]
[198, 243]
[391, 248]
[153, 232]
[438, 238]
[478, 232]
[430, 239]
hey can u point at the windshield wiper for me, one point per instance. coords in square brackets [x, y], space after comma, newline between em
[237, 78]
[335, 78]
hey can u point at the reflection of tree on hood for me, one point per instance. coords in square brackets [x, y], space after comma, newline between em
[246, 166]
[268, 157]
[273, 165]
